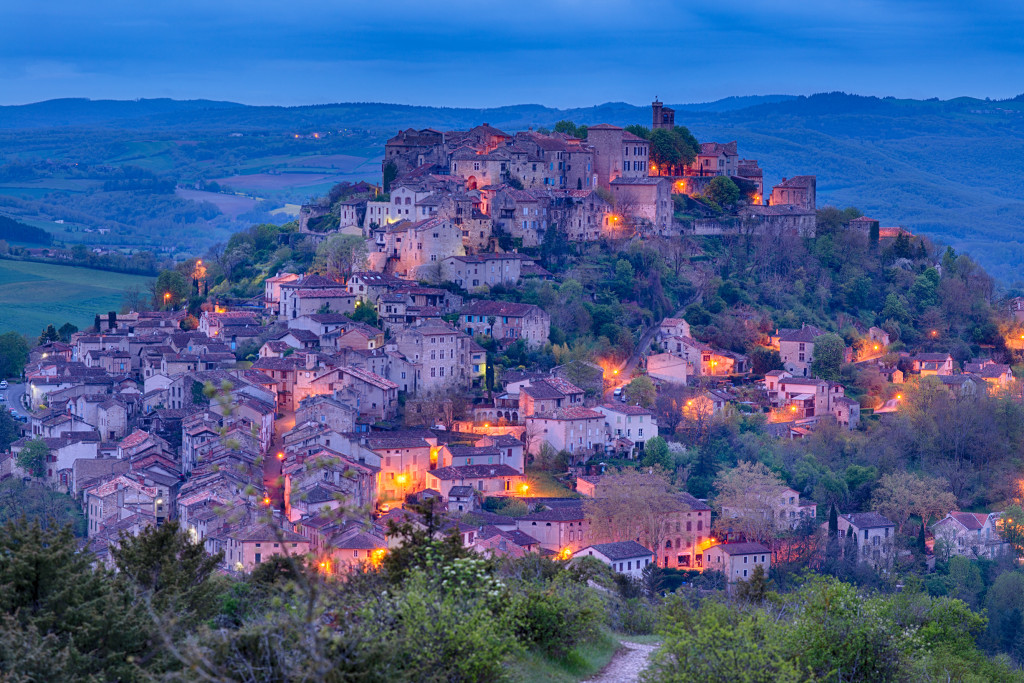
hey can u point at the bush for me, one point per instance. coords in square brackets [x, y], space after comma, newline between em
[556, 617]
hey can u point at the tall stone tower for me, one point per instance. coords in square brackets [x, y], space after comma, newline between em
[662, 116]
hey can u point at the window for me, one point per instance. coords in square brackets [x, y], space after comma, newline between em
[258, 558]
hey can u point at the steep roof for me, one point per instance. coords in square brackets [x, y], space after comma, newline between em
[867, 520]
[804, 334]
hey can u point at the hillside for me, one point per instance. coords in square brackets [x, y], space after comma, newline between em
[947, 169]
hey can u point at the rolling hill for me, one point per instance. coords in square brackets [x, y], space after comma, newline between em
[948, 169]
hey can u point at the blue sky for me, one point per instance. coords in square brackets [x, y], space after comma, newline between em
[493, 52]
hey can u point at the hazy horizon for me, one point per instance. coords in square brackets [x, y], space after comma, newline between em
[464, 54]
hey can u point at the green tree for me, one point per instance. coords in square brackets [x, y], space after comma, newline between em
[66, 330]
[828, 356]
[170, 289]
[13, 354]
[171, 571]
[764, 360]
[71, 620]
[10, 430]
[340, 255]
[641, 391]
[570, 128]
[390, 173]
[49, 335]
[32, 458]
[722, 191]
[755, 589]
[656, 454]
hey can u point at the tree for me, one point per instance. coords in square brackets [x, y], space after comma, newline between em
[32, 458]
[833, 521]
[49, 335]
[340, 255]
[640, 391]
[755, 589]
[1010, 526]
[656, 454]
[901, 494]
[66, 330]
[763, 360]
[722, 191]
[747, 500]
[828, 356]
[13, 354]
[189, 323]
[390, 172]
[631, 505]
[170, 289]
[132, 299]
[10, 430]
[171, 571]
[72, 621]
[570, 128]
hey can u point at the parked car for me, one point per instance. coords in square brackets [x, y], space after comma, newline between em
[3, 384]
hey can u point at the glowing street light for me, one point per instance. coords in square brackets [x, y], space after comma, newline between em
[280, 456]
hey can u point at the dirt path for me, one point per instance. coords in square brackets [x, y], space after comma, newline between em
[626, 665]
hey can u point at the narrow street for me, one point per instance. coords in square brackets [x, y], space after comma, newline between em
[13, 395]
[272, 466]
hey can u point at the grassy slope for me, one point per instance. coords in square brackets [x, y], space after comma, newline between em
[583, 662]
[33, 295]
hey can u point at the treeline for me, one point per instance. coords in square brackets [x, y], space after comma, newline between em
[430, 610]
[13, 231]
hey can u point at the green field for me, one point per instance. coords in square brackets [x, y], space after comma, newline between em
[33, 295]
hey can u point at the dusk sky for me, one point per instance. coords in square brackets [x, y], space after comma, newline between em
[486, 53]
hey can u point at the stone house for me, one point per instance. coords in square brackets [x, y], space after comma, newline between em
[411, 249]
[479, 271]
[507, 321]
[796, 191]
[560, 527]
[576, 430]
[644, 203]
[546, 395]
[929, 364]
[796, 347]
[875, 536]
[437, 353]
[500, 480]
[634, 423]
[971, 534]
[994, 373]
[617, 154]
[715, 159]
[625, 557]
[252, 544]
[737, 561]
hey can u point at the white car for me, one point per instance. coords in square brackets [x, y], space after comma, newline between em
[3, 384]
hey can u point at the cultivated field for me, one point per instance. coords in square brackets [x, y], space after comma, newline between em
[33, 295]
[229, 204]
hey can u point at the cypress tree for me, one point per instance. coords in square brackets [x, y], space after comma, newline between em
[833, 522]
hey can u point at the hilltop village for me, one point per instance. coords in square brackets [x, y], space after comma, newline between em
[436, 350]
